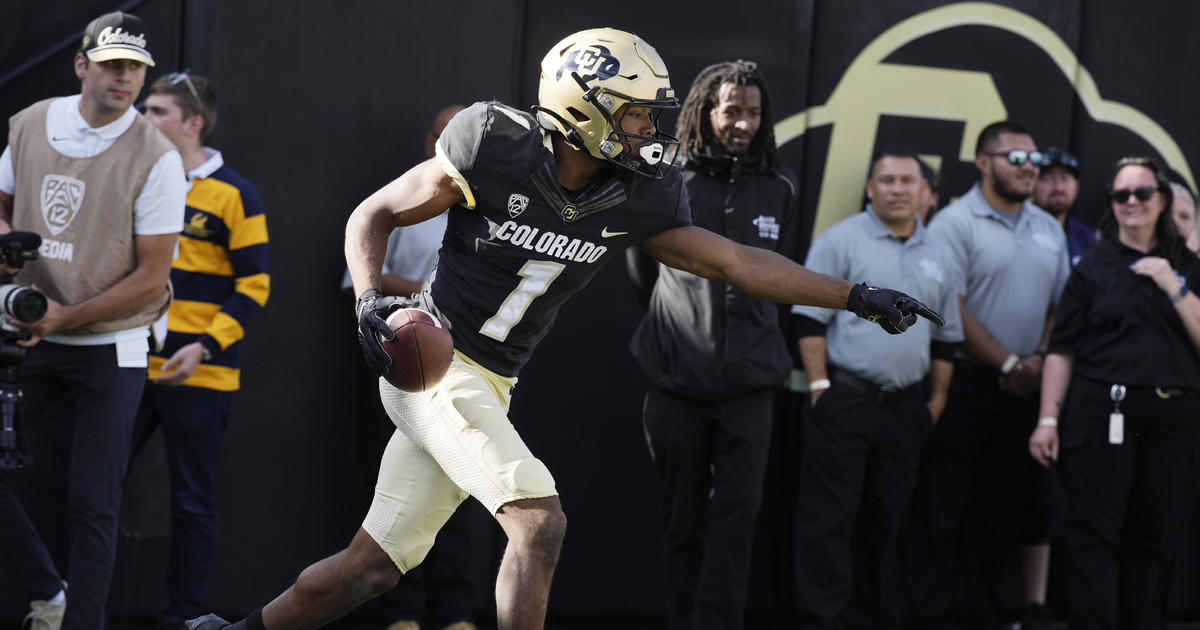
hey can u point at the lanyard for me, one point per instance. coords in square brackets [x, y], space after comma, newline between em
[1116, 419]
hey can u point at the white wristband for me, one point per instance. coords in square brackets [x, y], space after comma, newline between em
[1048, 421]
[818, 385]
[1011, 361]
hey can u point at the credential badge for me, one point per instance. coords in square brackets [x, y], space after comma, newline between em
[61, 198]
[517, 204]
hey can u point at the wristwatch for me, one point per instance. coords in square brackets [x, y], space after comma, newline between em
[1178, 295]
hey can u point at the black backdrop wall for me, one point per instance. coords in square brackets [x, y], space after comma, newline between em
[321, 103]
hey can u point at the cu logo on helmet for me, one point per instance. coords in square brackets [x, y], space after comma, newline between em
[591, 62]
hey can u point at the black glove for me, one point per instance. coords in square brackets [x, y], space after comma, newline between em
[372, 309]
[892, 310]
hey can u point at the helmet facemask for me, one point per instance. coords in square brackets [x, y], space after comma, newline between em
[649, 156]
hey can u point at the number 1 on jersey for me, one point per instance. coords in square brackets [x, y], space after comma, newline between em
[536, 277]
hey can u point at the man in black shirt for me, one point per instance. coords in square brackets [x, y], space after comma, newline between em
[713, 353]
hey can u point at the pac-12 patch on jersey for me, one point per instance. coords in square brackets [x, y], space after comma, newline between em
[517, 204]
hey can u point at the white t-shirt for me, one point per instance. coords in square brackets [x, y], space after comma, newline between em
[158, 209]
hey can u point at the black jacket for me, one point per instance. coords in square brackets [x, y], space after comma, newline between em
[704, 339]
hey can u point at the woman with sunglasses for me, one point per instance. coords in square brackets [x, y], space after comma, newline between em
[1121, 394]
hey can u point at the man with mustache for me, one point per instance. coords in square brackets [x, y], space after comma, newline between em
[869, 417]
[975, 475]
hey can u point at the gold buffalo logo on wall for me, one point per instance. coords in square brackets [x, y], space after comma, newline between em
[871, 88]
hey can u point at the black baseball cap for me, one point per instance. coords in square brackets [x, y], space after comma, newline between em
[1057, 157]
[116, 35]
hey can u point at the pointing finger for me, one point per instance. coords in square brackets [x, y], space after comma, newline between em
[927, 313]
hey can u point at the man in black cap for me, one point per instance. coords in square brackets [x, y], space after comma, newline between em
[1056, 191]
[104, 189]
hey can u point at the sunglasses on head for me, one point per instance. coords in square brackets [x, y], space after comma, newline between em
[175, 78]
[1143, 193]
[1018, 157]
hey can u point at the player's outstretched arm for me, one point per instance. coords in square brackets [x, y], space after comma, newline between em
[759, 272]
[421, 193]
[765, 274]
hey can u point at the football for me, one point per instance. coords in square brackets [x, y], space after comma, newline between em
[420, 352]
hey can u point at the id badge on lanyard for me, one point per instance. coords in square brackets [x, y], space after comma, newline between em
[1116, 419]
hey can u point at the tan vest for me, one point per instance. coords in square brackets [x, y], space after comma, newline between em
[83, 210]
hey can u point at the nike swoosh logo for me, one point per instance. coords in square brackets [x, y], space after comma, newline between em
[606, 234]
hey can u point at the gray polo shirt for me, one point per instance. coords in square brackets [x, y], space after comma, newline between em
[1013, 274]
[862, 249]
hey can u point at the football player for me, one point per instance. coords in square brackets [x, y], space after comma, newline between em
[538, 203]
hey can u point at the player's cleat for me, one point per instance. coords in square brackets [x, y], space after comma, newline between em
[207, 622]
[44, 616]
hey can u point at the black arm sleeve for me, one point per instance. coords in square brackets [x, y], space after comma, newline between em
[943, 350]
[808, 327]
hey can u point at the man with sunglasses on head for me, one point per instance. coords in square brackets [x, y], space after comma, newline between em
[105, 191]
[975, 475]
[221, 281]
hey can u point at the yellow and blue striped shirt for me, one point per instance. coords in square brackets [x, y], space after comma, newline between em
[222, 275]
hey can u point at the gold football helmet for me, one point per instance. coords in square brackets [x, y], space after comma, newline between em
[590, 79]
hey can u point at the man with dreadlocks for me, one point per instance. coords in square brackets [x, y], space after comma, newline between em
[713, 352]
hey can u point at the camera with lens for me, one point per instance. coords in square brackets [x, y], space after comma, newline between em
[24, 304]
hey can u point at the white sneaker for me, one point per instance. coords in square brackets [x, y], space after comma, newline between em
[44, 616]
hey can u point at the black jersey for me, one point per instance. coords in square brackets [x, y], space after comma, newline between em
[520, 244]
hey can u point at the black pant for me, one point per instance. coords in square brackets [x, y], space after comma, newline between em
[79, 409]
[21, 548]
[857, 473]
[973, 485]
[1126, 503]
[192, 421]
[711, 457]
[439, 591]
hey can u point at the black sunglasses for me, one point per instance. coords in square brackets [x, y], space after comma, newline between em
[1018, 157]
[1143, 193]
